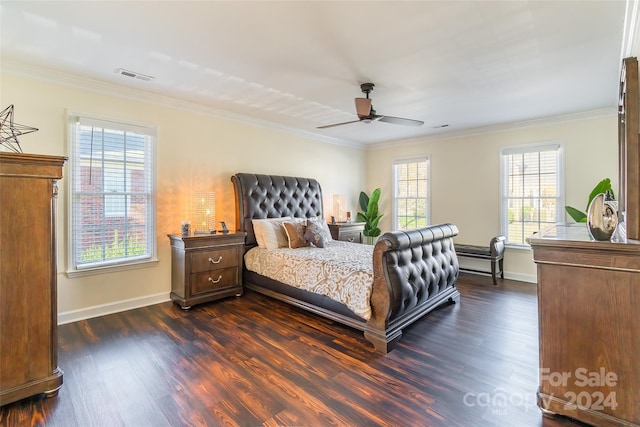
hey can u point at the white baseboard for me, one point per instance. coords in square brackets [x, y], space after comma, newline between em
[113, 307]
[529, 278]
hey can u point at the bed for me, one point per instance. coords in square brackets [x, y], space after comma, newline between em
[412, 272]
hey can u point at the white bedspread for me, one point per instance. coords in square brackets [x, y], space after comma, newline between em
[341, 271]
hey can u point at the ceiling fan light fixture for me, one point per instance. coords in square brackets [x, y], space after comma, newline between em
[363, 107]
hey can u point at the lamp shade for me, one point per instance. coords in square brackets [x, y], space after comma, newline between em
[340, 207]
[204, 211]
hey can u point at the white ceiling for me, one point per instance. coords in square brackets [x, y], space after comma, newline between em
[298, 64]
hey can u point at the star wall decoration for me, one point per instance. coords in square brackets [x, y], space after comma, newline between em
[9, 131]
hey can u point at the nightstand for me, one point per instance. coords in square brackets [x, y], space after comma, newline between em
[206, 267]
[347, 231]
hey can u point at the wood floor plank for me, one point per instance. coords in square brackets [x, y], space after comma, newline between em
[92, 402]
[297, 395]
[253, 361]
[131, 398]
[181, 410]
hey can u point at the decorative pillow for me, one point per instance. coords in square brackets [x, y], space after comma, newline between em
[295, 233]
[270, 233]
[315, 234]
[325, 227]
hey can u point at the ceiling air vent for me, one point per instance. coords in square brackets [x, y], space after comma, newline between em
[133, 74]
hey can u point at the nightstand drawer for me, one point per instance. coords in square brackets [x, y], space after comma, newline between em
[351, 236]
[212, 280]
[214, 259]
[347, 231]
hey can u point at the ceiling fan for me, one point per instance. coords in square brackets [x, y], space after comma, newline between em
[367, 114]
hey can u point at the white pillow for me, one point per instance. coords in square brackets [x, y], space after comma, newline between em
[270, 232]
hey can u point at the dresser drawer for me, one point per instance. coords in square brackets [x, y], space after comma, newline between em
[214, 259]
[212, 280]
[351, 236]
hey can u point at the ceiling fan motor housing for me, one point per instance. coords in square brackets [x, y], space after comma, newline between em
[367, 88]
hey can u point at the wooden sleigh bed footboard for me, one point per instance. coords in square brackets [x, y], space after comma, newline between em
[414, 271]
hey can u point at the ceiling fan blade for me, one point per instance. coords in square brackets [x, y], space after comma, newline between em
[372, 118]
[363, 107]
[337, 124]
[400, 121]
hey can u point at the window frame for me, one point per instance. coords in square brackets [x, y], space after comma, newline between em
[394, 176]
[556, 146]
[150, 148]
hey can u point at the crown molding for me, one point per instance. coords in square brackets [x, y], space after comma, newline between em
[76, 81]
[630, 35]
[507, 127]
[111, 89]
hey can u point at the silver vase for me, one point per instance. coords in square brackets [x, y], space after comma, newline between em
[602, 217]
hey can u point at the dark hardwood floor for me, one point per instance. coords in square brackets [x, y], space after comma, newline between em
[253, 361]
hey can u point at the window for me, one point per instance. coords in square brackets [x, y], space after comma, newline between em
[411, 193]
[112, 197]
[532, 190]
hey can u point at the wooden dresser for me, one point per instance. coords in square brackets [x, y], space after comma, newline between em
[206, 268]
[28, 270]
[589, 326]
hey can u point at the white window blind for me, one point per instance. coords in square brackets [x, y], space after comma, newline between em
[411, 193]
[532, 190]
[112, 193]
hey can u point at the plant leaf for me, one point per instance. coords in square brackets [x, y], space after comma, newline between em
[364, 201]
[601, 187]
[374, 222]
[372, 212]
[372, 207]
[577, 215]
[361, 217]
[375, 196]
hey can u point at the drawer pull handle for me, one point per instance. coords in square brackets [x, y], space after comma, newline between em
[215, 262]
[215, 281]
[351, 239]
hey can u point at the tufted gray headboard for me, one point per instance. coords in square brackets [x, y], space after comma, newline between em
[274, 196]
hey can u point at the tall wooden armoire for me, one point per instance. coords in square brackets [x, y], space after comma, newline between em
[28, 270]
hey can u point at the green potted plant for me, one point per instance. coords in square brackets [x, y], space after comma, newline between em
[369, 215]
[600, 188]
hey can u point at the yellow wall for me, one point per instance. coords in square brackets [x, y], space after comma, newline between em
[194, 152]
[201, 152]
[465, 175]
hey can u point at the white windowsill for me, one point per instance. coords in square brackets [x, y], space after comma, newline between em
[112, 268]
